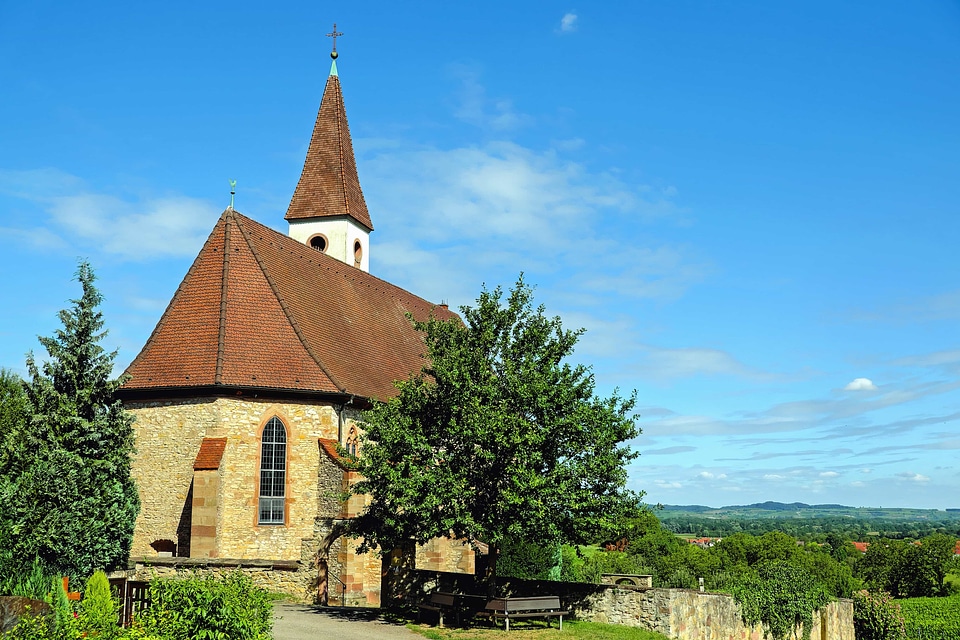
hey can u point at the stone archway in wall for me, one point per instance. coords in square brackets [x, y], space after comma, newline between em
[324, 586]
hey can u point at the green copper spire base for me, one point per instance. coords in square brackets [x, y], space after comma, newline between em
[333, 68]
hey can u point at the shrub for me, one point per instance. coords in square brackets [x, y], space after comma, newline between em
[877, 617]
[529, 561]
[32, 583]
[782, 596]
[57, 599]
[100, 612]
[228, 608]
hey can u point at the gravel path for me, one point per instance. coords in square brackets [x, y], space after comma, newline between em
[305, 622]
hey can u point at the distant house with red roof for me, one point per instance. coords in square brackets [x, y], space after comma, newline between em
[861, 546]
[249, 388]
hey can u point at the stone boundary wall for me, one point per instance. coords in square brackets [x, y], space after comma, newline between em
[683, 614]
[277, 576]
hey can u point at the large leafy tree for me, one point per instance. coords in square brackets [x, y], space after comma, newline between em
[69, 499]
[499, 439]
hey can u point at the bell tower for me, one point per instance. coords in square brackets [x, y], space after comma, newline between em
[327, 210]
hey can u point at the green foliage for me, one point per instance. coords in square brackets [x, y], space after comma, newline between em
[32, 582]
[530, 561]
[100, 612]
[877, 617]
[68, 497]
[611, 562]
[932, 618]
[498, 439]
[34, 628]
[908, 570]
[62, 609]
[571, 564]
[229, 608]
[782, 596]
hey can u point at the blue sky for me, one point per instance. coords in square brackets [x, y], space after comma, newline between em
[752, 207]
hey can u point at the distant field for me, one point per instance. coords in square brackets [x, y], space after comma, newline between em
[801, 510]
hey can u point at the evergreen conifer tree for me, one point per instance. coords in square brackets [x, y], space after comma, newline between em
[70, 500]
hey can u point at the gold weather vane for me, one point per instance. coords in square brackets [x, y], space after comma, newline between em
[233, 191]
[334, 34]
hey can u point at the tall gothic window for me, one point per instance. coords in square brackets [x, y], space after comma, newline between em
[273, 471]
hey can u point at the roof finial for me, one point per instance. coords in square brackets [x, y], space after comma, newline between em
[333, 34]
[233, 191]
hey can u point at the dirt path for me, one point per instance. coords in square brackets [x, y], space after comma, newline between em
[305, 622]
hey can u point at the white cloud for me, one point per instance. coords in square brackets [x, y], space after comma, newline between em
[568, 23]
[829, 474]
[138, 228]
[910, 476]
[860, 384]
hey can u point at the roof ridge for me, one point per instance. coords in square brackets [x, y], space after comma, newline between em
[340, 114]
[344, 270]
[222, 329]
[286, 311]
[191, 272]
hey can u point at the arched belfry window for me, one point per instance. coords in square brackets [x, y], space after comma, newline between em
[273, 471]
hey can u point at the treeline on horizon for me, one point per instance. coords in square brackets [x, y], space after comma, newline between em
[809, 522]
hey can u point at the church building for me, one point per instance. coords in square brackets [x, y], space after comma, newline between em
[252, 382]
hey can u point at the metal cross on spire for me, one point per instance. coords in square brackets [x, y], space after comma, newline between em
[334, 34]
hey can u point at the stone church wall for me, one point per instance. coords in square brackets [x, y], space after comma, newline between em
[168, 437]
[224, 501]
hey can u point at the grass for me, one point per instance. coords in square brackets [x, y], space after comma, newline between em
[538, 630]
[954, 580]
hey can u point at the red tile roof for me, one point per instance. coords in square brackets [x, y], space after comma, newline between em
[329, 185]
[258, 309]
[211, 451]
[861, 546]
[331, 448]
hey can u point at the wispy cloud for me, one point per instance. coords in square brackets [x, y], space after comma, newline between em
[133, 228]
[938, 307]
[568, 23]
[910, 476]
[475, 107]
[668, 451]
[502, 204]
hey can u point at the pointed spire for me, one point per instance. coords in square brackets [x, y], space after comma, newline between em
[329, 185]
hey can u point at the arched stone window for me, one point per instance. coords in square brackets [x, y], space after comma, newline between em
[352, 441]
[357, 253]
[273, 472]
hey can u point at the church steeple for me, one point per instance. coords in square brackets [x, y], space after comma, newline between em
[327, 210]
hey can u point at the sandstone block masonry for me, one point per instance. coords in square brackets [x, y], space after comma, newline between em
[208, 512]
[691, 615]
[168, 437]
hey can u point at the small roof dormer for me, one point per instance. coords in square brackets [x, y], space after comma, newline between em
[327, 210]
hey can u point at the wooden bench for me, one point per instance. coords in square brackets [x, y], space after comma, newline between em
[440, 602]
[533, 607]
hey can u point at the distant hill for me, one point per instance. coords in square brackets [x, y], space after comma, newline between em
[802, 510]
